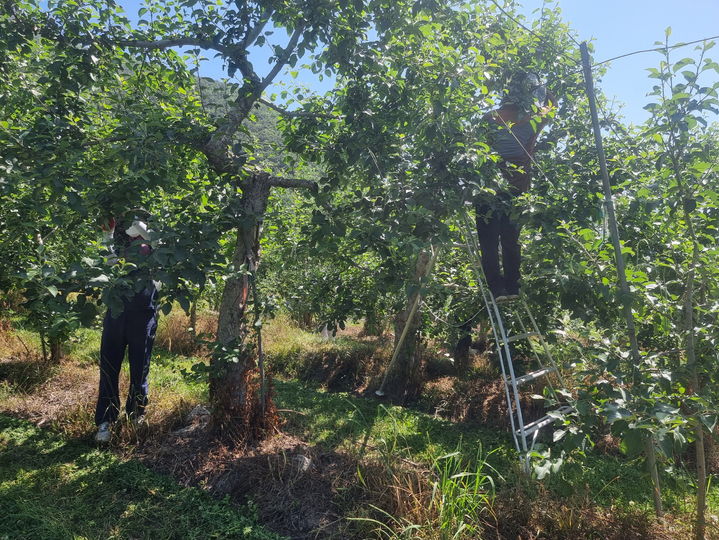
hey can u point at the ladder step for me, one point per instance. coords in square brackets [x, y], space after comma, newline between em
[517, 337]
[535, 375]
[544, 421]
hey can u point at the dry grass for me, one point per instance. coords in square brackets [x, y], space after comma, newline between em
[297, 488]
[345, 363]
[174, 332]
[543, 516]
[66, 399]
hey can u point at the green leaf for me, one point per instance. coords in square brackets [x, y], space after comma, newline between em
[633, 442]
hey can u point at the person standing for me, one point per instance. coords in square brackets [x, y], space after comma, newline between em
[130, 328]
[515, 126]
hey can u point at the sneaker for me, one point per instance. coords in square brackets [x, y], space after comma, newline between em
[508, 295]
[498, 293]
[103, 433]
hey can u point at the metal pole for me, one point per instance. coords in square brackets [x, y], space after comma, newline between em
[626, 297]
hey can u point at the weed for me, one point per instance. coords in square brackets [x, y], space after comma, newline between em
[450, 499]
[52, 488]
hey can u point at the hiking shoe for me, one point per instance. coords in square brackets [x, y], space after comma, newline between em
[103, 433]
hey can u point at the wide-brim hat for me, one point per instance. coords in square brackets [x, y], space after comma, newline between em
[138, 228]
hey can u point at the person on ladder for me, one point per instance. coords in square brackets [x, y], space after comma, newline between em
[514, 128]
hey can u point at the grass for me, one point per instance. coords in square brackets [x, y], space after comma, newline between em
[342, 422]
[339, 363]
[51, 487]
[400, 454]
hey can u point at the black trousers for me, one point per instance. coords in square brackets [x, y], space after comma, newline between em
[133, 330]
[495, 226]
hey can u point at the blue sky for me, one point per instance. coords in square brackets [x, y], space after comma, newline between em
[621, 26]
[616, 27]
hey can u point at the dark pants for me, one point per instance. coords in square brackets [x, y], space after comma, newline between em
[133, 330]
[495, 225]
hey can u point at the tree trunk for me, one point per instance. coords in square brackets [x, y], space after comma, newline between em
[55, 350]
[461, 351]
[651, 455]
[193, 320]
[694, 385]
[43, 346]
[234, 388]
[403, 379]
[373, 324]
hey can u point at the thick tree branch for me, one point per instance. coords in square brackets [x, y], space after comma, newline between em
[216, 148]
[295, 114]
[277, 181]
[254, 33]
[176, 42]
[282, 58]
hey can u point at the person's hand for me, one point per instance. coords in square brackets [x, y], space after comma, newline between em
[108, 225]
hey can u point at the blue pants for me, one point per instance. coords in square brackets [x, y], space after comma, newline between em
[133, 330]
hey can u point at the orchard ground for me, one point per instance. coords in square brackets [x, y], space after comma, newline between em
[344, 464]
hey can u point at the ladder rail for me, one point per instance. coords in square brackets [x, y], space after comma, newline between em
[524, 435]
[507, 358]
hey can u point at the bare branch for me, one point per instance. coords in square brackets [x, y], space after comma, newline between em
[176, 42]
[295, 114]
[276, 181]
[248, 95]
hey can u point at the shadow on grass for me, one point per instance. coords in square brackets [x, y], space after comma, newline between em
[26, 374]
[340, 421]
[53, 488]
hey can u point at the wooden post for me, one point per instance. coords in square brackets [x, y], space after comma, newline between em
[626, 298]
[609, 206]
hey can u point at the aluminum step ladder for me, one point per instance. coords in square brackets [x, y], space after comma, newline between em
[522, 327]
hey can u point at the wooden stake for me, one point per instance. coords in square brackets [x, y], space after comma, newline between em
[626, 298]
[609, 206]
[410, 318]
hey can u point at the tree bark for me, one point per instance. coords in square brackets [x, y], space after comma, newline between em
[193, 320]
[403, 379]
[234, 389]
[373, 324]
[56, 352]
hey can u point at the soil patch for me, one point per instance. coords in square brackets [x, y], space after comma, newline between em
[298, 490]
